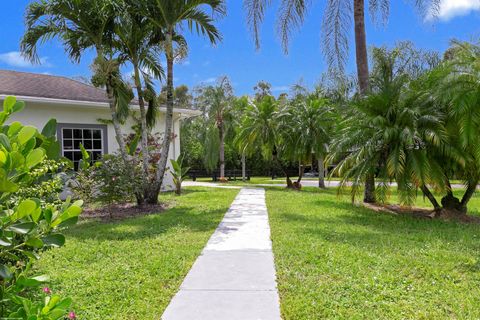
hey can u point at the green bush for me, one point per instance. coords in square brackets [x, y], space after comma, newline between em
[29, 225]
[108, 181]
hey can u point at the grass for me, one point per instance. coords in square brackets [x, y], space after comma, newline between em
[131, 269]
[337, 261]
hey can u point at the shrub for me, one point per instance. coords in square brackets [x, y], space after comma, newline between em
[179, 172]
[29, 225]
[108, 181]
[117, 182]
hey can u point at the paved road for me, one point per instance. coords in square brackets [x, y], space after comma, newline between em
[234, 277]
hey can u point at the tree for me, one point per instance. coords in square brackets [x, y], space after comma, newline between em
[137, 42]
[262, 125]
[217, 100]
[181, 96]
[336, 25]
[262, 89]
[390, 132]
[311, 119]
[172, 17]
[454, 88]
[82, 25]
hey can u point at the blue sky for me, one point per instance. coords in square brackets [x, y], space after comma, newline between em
[236, 56]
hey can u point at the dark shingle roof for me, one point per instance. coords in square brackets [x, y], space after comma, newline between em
[47, 86]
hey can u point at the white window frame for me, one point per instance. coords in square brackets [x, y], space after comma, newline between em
[74, 126]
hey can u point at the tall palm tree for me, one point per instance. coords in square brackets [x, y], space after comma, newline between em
[336, 25]
[81, 25]
[263, 125]
[218, 100]
[137, 42]
[172, 17]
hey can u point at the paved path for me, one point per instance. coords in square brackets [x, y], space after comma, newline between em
[234, 277]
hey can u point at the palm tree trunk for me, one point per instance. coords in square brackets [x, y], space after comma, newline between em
[361, 45]
[116, 124]
[300, 174]
[162, 162]
[321, 173]
[221, 134]
[431, 197]
[244, 167]
[362, 73]
[275, 158]
[143, 124]
[472, 187]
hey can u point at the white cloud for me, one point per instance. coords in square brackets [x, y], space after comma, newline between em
[450, 9]
[206, 63]
[15, 59]
[280, 88]
[209, 80]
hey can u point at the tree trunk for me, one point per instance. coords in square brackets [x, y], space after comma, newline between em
[116, 124]
[162, 163]
[472, 187]
[143, 125]
[361, 45]
[301, 171]
[221, 134]
[362, 73]
[244, 167]
[275, 158]
[321, 173]
[431, 197]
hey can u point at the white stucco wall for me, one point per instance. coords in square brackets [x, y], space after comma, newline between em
[39, 113]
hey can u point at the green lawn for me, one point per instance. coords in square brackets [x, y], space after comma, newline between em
[131, 269]
[337, 261]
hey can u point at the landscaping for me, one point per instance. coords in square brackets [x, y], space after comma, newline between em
[131, 268]
[335, 260]
[362, 194]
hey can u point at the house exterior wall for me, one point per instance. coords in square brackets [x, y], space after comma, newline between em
[38, 114]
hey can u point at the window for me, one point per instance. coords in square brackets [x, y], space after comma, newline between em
[93, 139]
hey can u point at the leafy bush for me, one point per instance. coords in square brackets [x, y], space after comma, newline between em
[108, 181]
[29, 225]
[117, 182]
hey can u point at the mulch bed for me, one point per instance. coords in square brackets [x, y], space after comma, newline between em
[423, 213]
[120, 212]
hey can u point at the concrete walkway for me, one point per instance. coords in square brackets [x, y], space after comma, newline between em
[234, 277]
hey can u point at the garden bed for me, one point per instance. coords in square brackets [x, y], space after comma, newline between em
[123, 211]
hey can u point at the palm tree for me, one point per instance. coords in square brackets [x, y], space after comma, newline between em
[392, 133]
[81, 25]
[218, 102]
[172, 17]
[263, 125]
[311, 119]
[455, 87]
[336, 27]
[137, 42]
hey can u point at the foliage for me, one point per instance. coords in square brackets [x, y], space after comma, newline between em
[117, 182]
[113, 269]
[179, 172]
[365, 265]
[28, 226]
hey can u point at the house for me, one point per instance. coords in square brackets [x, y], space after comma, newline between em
[79, 110]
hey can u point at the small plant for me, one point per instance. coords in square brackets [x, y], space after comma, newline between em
[29, 225]
[179, 172]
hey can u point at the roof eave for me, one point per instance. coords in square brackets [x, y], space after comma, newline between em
[94, 104]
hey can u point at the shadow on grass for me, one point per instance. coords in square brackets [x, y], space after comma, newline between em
[150, 225]
[342, 222]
